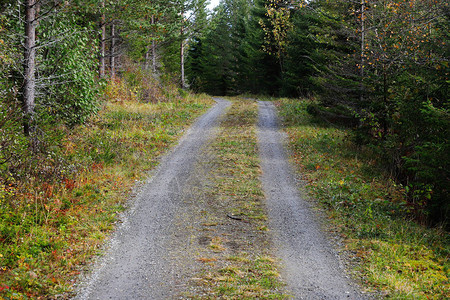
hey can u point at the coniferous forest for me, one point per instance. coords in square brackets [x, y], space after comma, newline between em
[379, 68]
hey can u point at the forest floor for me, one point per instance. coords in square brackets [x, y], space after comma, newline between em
[222, 218]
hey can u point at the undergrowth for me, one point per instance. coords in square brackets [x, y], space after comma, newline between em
[394, 254]
[58, 207]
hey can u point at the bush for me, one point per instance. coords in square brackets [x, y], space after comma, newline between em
[71, 70]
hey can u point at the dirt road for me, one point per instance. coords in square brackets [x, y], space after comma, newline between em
[153, 253]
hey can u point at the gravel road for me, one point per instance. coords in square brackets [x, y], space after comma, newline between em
[311, 268]
[136, 265]
[150, 254]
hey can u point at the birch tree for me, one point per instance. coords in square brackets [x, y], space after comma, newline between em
[29, 65]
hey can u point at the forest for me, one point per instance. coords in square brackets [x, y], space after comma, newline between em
[379, 68]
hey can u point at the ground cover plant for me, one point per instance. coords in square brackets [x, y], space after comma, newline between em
[237, 260]
[393, 253]
[57, 211]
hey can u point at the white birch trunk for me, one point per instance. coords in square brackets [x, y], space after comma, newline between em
[113, 50]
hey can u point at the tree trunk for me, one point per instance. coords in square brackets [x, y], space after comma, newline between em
[29, 66]
[386, 104]
[147, 58]
[183, 82]
[103, 43]
[153, 50]
[363, 35]
[113, 50]
[363, 41]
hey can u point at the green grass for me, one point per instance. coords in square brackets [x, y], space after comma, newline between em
[394, 254]
[50, 229]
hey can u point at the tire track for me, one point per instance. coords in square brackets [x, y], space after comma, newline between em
[311, 267]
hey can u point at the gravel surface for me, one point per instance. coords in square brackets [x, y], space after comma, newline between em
[137, 264]
[310, 265]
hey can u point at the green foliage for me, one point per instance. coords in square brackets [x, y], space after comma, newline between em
[211, 56]
[13, 145]
[66, 65]
[304, 58]
[69, 70]
[228, 58]
[425, 153]
[5, 59]
[392, 77]
[276, 27]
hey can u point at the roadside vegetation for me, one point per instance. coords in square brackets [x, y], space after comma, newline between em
[58, 206]
[389, 247]
[237, 263]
